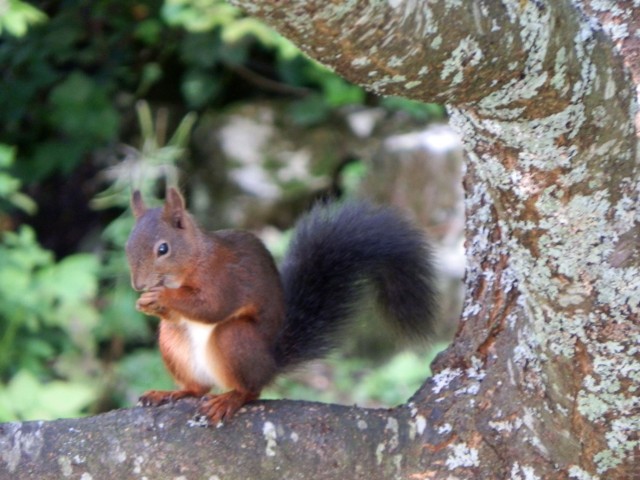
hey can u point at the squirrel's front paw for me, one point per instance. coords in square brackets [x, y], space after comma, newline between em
[148, 302]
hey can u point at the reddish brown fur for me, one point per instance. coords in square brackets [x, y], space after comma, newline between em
[244, 353]
[226, 278]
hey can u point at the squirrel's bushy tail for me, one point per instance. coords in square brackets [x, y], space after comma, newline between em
[336, 251]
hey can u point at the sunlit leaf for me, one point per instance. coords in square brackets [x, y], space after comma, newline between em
[17, 16]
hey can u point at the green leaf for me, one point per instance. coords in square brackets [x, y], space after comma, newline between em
[181, 136]
[198, 15]
[149, 31]
[151, 74]
[7, 155]
[16, 17]
[145, 120]
[249, 26]
[339, 92]
[8, 184]
[418, 110]
[23, 202]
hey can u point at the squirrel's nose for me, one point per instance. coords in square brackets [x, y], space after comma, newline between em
[137, 285]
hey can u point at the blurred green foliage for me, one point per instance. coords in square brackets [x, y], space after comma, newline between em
[26, 397]
[74, 75]
[46, 311]
[69, 83]
[59, 310]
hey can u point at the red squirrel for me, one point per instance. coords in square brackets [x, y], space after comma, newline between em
[230, 319]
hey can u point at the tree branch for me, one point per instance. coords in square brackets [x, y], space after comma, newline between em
[267, 440]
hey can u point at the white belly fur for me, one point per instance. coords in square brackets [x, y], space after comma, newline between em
[203, 364]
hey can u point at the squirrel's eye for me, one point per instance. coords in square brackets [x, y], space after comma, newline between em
[163, 249]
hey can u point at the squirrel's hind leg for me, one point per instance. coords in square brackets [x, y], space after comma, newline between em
[246, 364]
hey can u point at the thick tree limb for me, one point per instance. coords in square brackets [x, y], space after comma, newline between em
[271, 440]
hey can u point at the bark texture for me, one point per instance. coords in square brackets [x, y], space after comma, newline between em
[274, 440]
[543, 378]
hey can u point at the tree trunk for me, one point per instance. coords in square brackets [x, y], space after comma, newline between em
[543, 378]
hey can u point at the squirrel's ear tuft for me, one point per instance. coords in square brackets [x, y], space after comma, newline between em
[174, 211]
[137, 204]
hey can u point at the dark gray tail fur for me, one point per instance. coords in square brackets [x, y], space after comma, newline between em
[336, 251]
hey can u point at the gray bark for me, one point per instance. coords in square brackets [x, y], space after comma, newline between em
[542, 379]
[269, 440]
